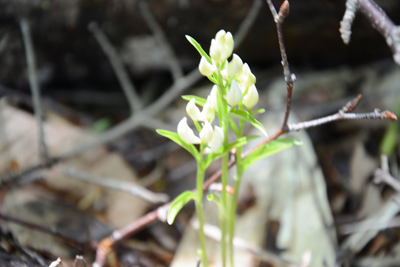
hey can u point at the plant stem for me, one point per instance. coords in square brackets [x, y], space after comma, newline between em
[224, 181]
[232, 211]
[199, 211]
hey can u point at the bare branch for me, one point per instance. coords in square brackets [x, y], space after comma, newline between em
[175, 67]
[78, 259]
[247, 23]
[40, 228]
[382, 175]
[379, 20]
[347, 21]
[290, 78]
[133, 189]
[34, 85]
[118, 66]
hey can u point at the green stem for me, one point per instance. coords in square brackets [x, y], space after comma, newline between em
[224, 182]
[199, 211]
[232, 211]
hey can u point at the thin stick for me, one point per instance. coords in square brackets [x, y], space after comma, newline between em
[123, 77]
[133, 189]
[175, 67]
[34, 85]
[382, 175]
[247, 22]
[40, 228]
[379, 20]
[78, 259]
[290, 78]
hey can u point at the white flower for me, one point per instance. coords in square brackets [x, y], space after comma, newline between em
[247, 78]
[235, 65]
[217, 140]
[186, 133]
[251, 98]
[234, 95]
[206, 133]
[222, 46]
[224, 72]
[213, 97]
[193, 111]
[208, 111]
[206, 68]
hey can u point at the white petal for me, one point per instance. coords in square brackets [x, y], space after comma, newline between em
[235, 66]
[213, 97]
[193, 111]
[206, 133]
[205, 67]
[208, 111]
[251, 98]
[186, 133]
[217, 139]
[234, 95]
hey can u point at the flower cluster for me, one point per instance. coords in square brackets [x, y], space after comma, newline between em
[241, 79]
[234, 80]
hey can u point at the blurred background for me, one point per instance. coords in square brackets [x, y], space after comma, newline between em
[80, 92]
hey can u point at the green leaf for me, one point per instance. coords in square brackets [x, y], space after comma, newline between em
[268, 149]
[225, 149]
[233, 126]
[389, 141]
[246, 116]
[258, 111]
[101, 125]
[178, 204]
[177, 139]
[199, 100]
[198, 48]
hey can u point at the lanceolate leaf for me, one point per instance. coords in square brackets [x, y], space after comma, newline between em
[178, 204]
[199, 100]
[198, 48]
[246, 116]
[258, 111]
[268, 150]
[225, 149]
[176, 138]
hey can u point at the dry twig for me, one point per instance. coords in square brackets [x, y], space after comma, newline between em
[34, 85]
[379, 20]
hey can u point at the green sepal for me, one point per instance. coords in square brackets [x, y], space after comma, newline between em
[178, 204]
[246, 116]
[177, 139]
[214, 198]
[198, 48]
[268, 149]
[199, 100]
[258, 111]
[225, 149]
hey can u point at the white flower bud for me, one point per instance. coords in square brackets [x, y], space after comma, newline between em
[206, 133]
[224, 72]
[213, 97]
[229, 44]
[208, 110]
[215, 51]
[220, 37]
[234, 95]
[251, 98]
[186, 133]
[193, 111]
[247, 77]
[217, 140]
[206, 68]
[235, 65]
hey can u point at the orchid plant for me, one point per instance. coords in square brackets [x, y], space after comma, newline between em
[232, 99]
